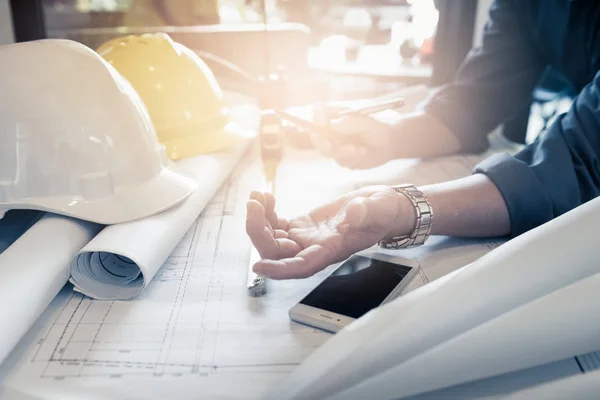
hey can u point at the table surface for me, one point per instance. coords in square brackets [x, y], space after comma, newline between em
[377, 61]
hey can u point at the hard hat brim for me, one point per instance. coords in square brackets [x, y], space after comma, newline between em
[166, 189]
[195, 143]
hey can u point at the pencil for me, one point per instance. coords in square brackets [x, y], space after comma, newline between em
[271, 152]
[373, 108]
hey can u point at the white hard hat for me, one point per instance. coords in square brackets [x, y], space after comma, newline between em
[76, 139]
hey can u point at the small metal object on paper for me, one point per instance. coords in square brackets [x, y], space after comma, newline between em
[257, 287]
[256, 284]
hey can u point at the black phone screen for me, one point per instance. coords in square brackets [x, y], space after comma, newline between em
[358, 285]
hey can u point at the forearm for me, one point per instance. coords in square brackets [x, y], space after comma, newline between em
[419, 135]
[468, 207]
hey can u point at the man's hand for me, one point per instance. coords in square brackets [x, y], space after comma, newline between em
[304, 245]
[357, 142]
[361, 142]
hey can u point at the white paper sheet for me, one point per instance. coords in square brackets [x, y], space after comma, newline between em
[499, 387]
[554, 255]
[192, 333]
[122, 260]
[523, 384]
[547, 329]
[32, 271]
[505, 385]
[580, 387]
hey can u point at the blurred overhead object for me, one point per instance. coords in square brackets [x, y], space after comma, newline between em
[181, 93]
[241, 44]
[28, 20]
[172, 13]
[76, 139]
[357, 23]
[377, 62]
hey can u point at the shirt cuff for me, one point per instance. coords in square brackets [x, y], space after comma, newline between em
[527, 202]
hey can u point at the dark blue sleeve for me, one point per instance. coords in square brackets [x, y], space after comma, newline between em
[556, 173]
[496, 80]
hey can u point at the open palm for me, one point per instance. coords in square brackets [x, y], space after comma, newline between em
[304, 245]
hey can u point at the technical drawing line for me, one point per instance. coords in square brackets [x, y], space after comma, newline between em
[62, 334]
[186, 277]
[152, 364]
[97, 331]
[52, 325]
[176, 304]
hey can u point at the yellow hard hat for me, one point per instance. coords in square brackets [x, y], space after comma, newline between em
[179, 90]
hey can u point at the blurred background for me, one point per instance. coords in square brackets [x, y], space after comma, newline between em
[325, 49]
[360, 47]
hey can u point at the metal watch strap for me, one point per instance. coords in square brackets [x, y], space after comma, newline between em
[424, 218]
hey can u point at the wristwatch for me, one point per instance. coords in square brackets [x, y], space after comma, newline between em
[424, 218]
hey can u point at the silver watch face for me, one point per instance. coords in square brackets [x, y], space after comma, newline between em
[394, 243]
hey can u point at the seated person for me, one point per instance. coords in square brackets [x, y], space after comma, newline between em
[506, 195]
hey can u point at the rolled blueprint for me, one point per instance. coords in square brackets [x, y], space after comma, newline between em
[550, 328]
[532, 265]
[120, 262]
[32, 271]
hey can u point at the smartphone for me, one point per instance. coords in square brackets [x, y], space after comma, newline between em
[362, 282]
